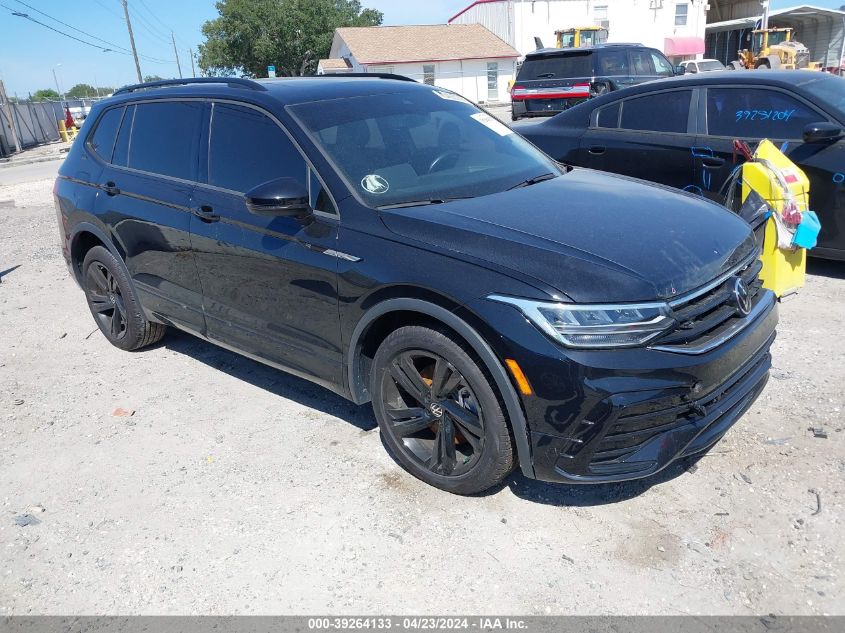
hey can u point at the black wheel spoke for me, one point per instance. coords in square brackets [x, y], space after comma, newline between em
[99, 303]
[409, 421]
[446, 379]
[116, 323]
[406, 375]
[443, 457]
[466, 420]
[99, 278]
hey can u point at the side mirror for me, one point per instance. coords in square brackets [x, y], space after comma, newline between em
[820, 132]
[279, 197]
[680, 69]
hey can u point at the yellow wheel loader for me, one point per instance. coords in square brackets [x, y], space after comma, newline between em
[581, 36]
[775, 49]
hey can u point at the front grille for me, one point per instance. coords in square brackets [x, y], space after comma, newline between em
[636, 427]
[705, 317]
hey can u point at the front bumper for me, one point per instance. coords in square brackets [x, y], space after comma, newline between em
[613, 415]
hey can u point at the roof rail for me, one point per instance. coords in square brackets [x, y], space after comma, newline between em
[370, 75]
[233, 82]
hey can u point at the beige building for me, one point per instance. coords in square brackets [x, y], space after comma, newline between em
[465, 58]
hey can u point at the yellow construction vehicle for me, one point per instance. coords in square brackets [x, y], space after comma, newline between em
[581, 36]
[775, 49]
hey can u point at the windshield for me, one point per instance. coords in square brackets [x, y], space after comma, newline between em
[567, 40]
[827, 89]
[424, 145]
[593, 38]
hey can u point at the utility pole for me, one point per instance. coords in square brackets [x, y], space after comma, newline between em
[56, 79]
[132, 41]
[193, 70]
[176, 52]
[10, 113]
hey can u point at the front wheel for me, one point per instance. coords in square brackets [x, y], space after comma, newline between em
[438, 412]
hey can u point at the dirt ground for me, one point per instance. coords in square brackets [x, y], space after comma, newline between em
[235, 488]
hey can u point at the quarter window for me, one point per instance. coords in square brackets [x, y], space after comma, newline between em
[661, 112]
[608, 116]
[164, 138]
[102, 141]
[247, 148]
[757, 113]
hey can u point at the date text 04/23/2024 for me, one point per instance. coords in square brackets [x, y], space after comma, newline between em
[424, 623]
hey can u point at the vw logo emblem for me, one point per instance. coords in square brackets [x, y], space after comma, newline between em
[375, 184]
[741, 298]
[436, 409]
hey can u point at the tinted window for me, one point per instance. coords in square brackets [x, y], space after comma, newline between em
[248, 148]
[641, 63]
[660, 112]
[427, 144]
[164, 138]
[320, 199]
[102, 141]
[609, 116]
[757, 113]
[612, 62]
[121, 148]
[556, 67]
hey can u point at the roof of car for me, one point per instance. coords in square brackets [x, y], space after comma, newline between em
[286, 90]
[783, 78]
[545, 52]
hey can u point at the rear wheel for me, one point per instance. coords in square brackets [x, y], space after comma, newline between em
[113, 303]
[439, 413]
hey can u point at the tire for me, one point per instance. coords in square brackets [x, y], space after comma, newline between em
[109, 293]
[438, 412]
[763, 65]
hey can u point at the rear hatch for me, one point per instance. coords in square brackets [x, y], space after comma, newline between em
[554, 82]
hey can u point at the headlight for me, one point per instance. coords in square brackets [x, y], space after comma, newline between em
[623, 325]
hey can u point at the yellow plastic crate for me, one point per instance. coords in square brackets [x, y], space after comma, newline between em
[783, 270]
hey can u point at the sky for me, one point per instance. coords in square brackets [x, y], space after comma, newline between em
[29, 52]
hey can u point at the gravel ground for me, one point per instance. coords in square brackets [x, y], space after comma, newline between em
[235, 488]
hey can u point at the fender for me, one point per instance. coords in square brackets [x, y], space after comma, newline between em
[479, 346]
[88, 227]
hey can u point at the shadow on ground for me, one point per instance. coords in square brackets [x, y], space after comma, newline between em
[826, 268]
[313, 396]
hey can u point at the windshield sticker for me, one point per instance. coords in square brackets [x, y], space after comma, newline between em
[375, 184]
[494, 124]
[449, 96]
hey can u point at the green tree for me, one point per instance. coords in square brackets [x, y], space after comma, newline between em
[81, 90]
[292, 35]
[46, 94]
[152, 78]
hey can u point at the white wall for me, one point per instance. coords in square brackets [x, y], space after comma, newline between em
[467, 77]
[519, 21]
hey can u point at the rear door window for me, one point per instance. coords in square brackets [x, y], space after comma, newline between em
[757, 113]
[247, 148]
[611, 62]
[102, 140]
[164, 138]
[556, 67]
[658, 112]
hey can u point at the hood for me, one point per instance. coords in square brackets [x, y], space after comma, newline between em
[595, 237]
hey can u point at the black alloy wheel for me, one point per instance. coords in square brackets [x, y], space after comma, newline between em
[106, 301]
[433, 413]
[438, 410]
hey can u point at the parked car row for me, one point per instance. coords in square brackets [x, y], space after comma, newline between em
[390, 241]
[680, 132]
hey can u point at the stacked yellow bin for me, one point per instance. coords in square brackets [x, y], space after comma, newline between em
[783, 269]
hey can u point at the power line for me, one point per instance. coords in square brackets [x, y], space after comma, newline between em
[155, 16]
[140, 19]
[113, 48]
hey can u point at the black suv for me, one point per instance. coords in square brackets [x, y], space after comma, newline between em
[551, 80]
[393, 243]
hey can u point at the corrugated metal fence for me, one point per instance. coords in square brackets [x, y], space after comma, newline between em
[36, 122]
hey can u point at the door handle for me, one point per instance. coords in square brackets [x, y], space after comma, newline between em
[110, 188]
[596, 150]
[206, 214]
[712, 163]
